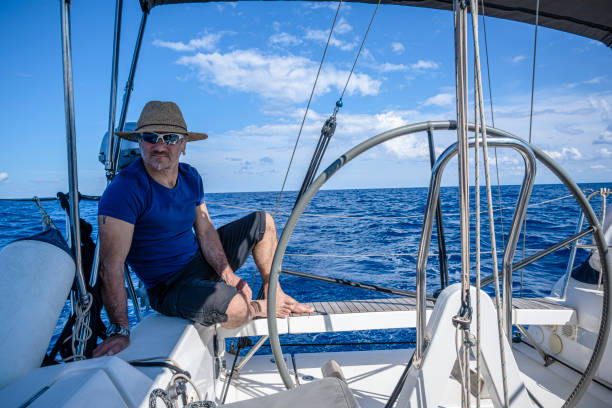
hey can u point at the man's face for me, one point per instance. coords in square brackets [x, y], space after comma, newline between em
[161, 156]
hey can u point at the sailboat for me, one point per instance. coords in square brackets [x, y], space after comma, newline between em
[465, 352]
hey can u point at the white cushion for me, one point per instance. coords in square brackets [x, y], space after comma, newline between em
[328, 393]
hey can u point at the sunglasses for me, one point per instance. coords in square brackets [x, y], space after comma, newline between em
[167, 138]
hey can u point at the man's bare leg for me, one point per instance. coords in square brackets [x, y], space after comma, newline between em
[263, 254]
[239, 312]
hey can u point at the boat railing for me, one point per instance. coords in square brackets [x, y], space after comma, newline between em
[433, 198]
[603, 193]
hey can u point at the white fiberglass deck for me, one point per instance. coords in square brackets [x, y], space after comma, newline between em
[393, 313]
[372, 376]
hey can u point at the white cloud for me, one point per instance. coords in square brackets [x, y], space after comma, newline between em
[388, 67]
[352, 128]
[342, 27]
[397, 47]
[274, 76]
[422, 65]
[518, 59]
[567, 153]
[3, 176]
[207, 42]
[284, 39]
[316, 5]
[441, 99]
[604, 152]
[591, 81]
[322, 36]
[598, 166]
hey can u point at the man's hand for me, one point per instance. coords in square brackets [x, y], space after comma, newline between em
[111, 346]
[243, 288]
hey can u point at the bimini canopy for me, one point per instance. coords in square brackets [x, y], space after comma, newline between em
[587, 18]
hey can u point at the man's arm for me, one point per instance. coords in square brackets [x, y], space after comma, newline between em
[213, 252]
[115, 238]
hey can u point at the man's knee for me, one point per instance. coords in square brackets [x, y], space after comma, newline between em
[270, 225]
[237, 312]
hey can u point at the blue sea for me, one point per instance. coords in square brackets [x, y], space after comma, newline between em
[368, 236]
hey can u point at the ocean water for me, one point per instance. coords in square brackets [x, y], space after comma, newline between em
[369, 236]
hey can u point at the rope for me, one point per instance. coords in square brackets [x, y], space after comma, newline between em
[462, 377]
[187, 379]
[280, 194]
[81, 331]
[46, 220]
[478, 86]
[477, 228]
[161, 394]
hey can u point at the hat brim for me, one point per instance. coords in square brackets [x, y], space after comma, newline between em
[189, 136]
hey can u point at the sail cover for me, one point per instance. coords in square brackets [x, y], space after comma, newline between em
[587, 18]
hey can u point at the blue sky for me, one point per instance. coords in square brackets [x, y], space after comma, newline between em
[242, 72]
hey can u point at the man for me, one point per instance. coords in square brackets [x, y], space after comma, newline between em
[146, 216]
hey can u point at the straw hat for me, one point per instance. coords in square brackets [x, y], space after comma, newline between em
[161, 117]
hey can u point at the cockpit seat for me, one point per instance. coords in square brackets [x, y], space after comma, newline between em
[328, 392]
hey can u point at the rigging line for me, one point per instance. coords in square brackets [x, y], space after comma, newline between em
[280, 194]
[478, 86]
[477, 228]
[533, 69]
[360, 48]
[484, 30]
[535, 46]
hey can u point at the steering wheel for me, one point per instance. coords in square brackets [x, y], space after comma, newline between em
[316, 185]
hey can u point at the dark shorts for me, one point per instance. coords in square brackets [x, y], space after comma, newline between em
[196, 291]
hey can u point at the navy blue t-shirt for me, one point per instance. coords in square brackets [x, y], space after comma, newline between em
[163, 218]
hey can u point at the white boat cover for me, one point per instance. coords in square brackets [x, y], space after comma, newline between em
[328, 393]
[587, 18]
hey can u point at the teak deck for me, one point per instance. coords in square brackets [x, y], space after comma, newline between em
[391, 313]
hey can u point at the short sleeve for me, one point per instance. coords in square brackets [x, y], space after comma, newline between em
[200, 197]
[122, 199]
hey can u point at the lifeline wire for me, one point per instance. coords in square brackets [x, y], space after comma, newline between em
[371, 217]
[314, 86]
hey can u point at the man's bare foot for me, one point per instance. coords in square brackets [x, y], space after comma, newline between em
[300, 308]
[286, 305]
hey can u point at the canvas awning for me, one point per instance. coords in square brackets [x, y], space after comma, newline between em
[587, 18]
